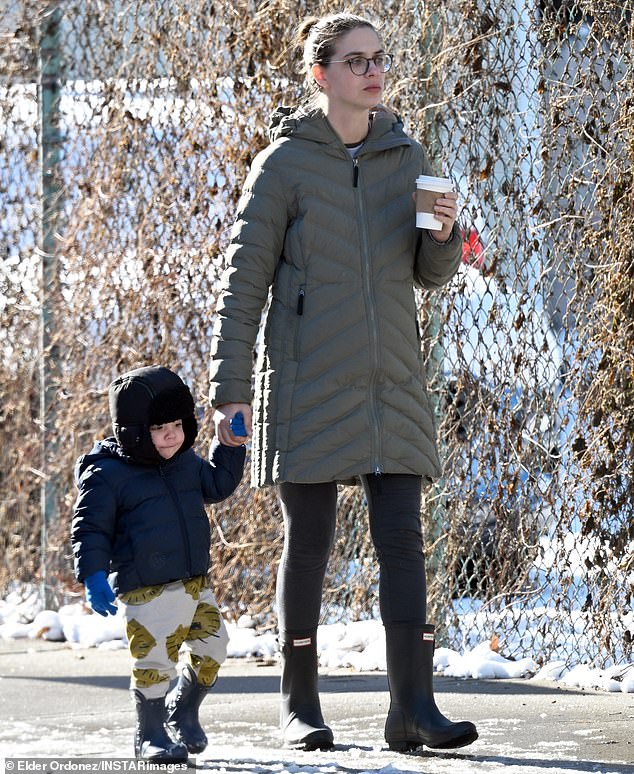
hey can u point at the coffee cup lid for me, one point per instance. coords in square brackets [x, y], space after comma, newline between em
[434, 183]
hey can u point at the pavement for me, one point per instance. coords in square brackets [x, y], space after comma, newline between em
[59, 702]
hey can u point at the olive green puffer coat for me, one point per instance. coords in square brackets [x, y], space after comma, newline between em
[339, 387]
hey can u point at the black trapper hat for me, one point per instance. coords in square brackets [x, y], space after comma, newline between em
[152, 395]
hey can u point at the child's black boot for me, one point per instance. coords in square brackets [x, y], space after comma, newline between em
[183, 703]
[151, 740]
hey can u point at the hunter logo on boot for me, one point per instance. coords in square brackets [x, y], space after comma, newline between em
[428, 637]
[302, 643]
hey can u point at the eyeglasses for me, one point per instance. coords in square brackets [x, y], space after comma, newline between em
[361, 64]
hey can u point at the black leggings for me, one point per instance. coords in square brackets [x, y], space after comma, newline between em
[310, 513]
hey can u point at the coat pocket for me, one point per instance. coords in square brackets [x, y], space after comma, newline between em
[297, 323]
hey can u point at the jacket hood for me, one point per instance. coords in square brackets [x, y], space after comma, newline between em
[386, 127]
[147, 396]
[102, 450]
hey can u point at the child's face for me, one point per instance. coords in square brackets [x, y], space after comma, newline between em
[167, 438]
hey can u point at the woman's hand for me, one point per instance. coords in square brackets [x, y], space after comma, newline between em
[222, 419]
[446, 211]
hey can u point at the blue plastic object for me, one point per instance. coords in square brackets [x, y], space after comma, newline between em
[237, 425]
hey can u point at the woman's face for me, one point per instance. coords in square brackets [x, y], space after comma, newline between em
[340, 85]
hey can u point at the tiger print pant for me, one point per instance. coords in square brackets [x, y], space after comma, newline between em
[170, 623]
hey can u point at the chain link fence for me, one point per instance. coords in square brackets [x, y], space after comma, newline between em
[150, 113]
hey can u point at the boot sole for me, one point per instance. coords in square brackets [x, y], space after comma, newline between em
[195, 749]
[311, 747]
[164, 757]
[180, 758]
[409, 745]
[318, 741]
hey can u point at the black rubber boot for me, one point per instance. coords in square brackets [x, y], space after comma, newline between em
[301, 720]
[151, 740]
[414, 719]
[183, 703]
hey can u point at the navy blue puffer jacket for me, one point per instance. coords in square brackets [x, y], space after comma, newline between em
[147, 523]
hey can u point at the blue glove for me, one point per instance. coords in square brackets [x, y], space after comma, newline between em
[237, 425]
[99, 595]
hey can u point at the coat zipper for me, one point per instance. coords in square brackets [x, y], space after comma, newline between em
[372, 324]
[300, 311]
[173, 495]
[181, 518]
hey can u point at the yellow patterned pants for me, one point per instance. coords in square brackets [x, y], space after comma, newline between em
[172, 623]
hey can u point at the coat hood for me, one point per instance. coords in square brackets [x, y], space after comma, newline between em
[386, 127]
[147, 396]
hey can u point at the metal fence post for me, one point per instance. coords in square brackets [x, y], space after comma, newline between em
[50, 211]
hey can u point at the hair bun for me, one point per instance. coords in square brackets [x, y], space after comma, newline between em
[305, 28]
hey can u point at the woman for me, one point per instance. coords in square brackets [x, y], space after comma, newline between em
[327, 221]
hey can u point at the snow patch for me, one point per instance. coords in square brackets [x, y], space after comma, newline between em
[358, 645]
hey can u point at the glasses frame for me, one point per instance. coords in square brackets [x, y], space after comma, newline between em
[387, 64]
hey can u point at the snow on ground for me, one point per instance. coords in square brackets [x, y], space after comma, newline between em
[358, 645]
[250, 748]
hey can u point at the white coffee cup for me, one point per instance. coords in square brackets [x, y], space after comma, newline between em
[428, 189]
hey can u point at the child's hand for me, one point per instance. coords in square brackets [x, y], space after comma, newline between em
[99, 595]
[228, 431]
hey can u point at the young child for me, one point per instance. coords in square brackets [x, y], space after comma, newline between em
[140, 516]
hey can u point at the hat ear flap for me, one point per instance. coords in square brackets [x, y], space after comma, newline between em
[136, 442]
[128, 436]
[190, 429]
